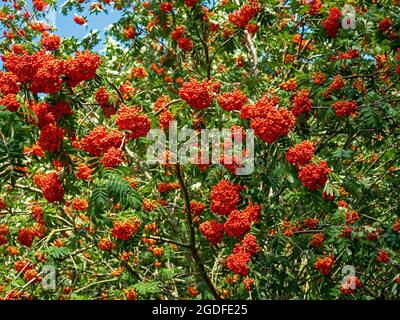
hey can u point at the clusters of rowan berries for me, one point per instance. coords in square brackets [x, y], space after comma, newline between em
[317, 240]
[383, 256]
[300, 154]
[3, 234]
[331, 24]
[164, 187]
[324, 265]
[27, 235]
[230, 101]
[351, 284]
[79, 204]
[301, 102]
[224, 197]
[37, 213]
[185, 43]
[314, 175]
[99, 142]
[105, 244]
[385, 24]
[315, 7]
[239, 222]
[241, 255]
[336, 84]
[133, 120]
[269, 122]
[50, 42]
[197, 95]
[276, 124]
[50, 185]
[241, 17]
[103, 99]
[124, 230]
[345, 108]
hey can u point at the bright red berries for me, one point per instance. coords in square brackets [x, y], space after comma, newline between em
[197, 95]
[80, 204]
[82, 67]
[268, 122]
[50, 42]
[300, 154]
[98, 141]
[112, 157]
[317, 240]
[276, 124]
[133, 120]
[25, 237]
[40, 5]
[385, 24]
[105, 244]
[301, 102]
[8, 83]
[383, 256]
[241, 17]
[79, 20]
[10, 101]
[332, 24]
[230, 101]
[324, 265]
[239, 222]
[237, 263]
[51, 137]
[50, 185]
[125, 230]
[241, 255]
[224, 197]
[212, 231]
[197, 207]
[166, 6]
[260, 108]
[185, 44]
[314, 176]
[345, 108]
[351, 284]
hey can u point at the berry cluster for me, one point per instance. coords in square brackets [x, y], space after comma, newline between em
[314, 176]
[81, 68]
[301, 102]
[324, 265]
[80, 204]
[125, 230]
[133, 120]
[99, 140]
[275, 125]
[241, 255]
[224, 197]
[332, 24]
[300, 154]
[230, 101]
[112, 157]
[241, 17]
[50, 42]
[197, 95]
[239, 222]
[50, 185]
[345, 108]
[51, 137]
[212, 231]
[351, 284]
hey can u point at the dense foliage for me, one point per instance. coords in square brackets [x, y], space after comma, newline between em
[318, 218]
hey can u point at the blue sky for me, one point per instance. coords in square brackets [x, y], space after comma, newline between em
[67, 27]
